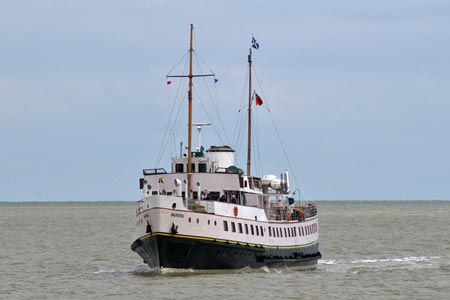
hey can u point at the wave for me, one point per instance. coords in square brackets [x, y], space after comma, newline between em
[138, 270]
[400, 259]
[327, 262]
[379, 264]
[146, 271]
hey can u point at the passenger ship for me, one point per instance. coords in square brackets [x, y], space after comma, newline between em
[206, 214]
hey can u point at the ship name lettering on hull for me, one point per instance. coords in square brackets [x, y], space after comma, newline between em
[177, 215]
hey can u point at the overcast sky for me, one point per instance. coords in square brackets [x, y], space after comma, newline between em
[360, 91]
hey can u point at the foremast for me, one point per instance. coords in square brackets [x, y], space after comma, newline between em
[191, 77]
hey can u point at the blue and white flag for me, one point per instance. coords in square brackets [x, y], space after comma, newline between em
[255, 43]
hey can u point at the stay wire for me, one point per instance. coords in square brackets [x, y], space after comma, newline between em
[207, 114]
[213, 103]
[176, 65]
[239, 128]
[277, 132]
[173, 121]
[168, 133]
[283, 148]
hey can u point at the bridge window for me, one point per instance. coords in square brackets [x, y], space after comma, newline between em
[179, 168]
[262, 232]
[225, 225]
[246, 229]
[202, 168]
[233, 227]
[240, 227]
[252, 230]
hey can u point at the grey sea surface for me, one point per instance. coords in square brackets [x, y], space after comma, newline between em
[371, 250]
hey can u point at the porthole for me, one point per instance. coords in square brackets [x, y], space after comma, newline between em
[209, 222]
[189, 219]
[215, 223]
[197, 220]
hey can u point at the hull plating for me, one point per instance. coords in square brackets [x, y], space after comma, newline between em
[173, 251]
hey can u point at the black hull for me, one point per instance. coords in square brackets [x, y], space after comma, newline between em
[173, 251]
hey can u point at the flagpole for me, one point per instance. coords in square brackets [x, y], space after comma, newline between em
[249, 141]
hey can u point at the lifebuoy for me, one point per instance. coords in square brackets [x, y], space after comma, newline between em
[235, 210]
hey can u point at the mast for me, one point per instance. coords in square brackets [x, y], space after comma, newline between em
[249, 133]
[191, 77]
[189, 164]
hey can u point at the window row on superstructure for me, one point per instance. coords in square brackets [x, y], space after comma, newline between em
[274, 231]
[293, 231]
[182, 168]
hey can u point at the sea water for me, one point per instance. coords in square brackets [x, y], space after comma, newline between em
[371, 250]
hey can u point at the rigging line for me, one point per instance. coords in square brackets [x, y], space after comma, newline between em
[208, 115]
[218, 116]
[241, 125]
[176, 65]
[166, 135]
[172, 122]
[256, 142]
[276, 130]
[258, 158]
[239, 136]
[202, 61]
[240, 117]
[240, 141]
[175, 125]
[266, 105]
[213, 103]
[283, 148]
[181, 101]
[242, 130]
[259, 82]
[182, 107]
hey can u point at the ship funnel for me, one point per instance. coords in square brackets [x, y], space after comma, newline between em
[221, 156]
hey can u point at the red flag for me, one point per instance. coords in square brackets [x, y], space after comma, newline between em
[169, 82]
[258, 99]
